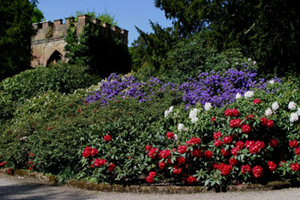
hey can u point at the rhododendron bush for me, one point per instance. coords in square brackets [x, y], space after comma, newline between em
[218, 129]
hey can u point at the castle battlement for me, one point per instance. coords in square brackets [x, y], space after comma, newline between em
[49, 42]
[57, 29]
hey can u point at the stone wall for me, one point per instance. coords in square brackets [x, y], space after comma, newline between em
[49, 43]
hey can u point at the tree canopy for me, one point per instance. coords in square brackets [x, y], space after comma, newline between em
[15, 35]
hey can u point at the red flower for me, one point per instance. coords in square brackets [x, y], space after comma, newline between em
[295, 167]
[148, 147]
[197, 153]
[245, 169]
[272, 166]
[161, 165]
[225, 152]
[150, 179]
[227, 139]
[164, 154]
[2, 164]
[217, 135]
[111, 167]
[218, 143]
[235, 123]
[49, 128]
[231, 112]
[246, 128]
[240, 144]
[194, 140]
[297, 151]
[170, 135]
[212, 119]
[270, 123]
[86, 153]
[79, 110]
[177, 171]
[152, 174]
[263, 121]
[225, 169]
[273, 143]
[94, 152]
[191, 179]
[293, 143]
[250, 117]
[235, 150]
[257, 171]
[107, 138]
[232, 161]
[256, 101]
[208, 154]
[182, 149]
[181, 160]
[99, 162]
[153, 152]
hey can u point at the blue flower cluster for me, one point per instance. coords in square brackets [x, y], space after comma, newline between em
[213, 87]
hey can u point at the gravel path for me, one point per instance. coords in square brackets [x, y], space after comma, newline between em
[13, 188]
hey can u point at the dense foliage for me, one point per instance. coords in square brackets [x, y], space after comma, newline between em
[100, 53]
[267, 31]
[30, 83]
[15, 35]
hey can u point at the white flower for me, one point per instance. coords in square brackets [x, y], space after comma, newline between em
[268, 112]
[254, 62]
[294, 117]
[193, 113]
[298, 111]
[292, 105]
[207, 106]
[272, 82]
[248, 94]
[175, 137]
[238, 95]
[249, 59]
[275, 105]
[185, 129]
[194, 119]
[180, 126]
[167, 112]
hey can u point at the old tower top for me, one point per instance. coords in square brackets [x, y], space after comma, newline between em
[49, 42]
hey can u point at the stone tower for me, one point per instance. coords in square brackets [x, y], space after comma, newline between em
[49, 42]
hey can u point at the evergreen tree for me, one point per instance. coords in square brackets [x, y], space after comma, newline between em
[15, 36]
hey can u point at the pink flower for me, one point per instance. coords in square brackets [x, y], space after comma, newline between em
[107, 138]
[257, 171]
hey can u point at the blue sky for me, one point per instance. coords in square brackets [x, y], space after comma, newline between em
[128, 13]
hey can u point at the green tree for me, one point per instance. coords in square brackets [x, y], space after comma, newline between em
[263, 29]
[105, 16]
[99, 53]
[15, 36]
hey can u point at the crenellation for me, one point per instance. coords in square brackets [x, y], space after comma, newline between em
[50, 36]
